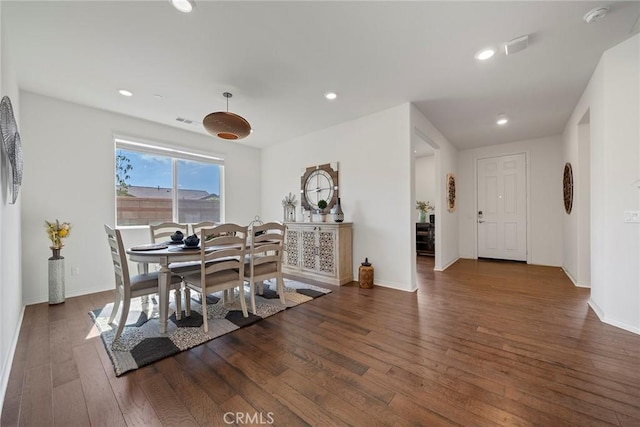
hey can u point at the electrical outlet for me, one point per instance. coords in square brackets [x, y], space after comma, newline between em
[75, 271]
[632, 216]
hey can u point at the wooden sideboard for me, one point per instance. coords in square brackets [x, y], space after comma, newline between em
[320, 251]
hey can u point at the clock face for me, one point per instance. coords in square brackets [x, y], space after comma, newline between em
[319, 183]
[319, 186]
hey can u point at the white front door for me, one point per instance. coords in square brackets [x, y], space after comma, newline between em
[502, 207]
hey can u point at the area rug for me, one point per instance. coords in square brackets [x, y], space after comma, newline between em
[141, 342]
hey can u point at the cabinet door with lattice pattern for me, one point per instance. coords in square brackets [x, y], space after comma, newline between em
[291, 255]
[309, 249]
[327, 251]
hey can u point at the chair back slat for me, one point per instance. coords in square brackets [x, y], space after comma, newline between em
[195, 228]
[223, 247]
[119, 258]
[162, 232]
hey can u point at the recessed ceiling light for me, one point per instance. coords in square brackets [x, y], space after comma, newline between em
[125, 92]
[485, 53]
[185, 6]
[331, 95]
[502, 120]
[594, 14]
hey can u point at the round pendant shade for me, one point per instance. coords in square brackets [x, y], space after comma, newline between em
[226, 125]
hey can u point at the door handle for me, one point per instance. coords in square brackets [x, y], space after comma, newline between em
[480, 221]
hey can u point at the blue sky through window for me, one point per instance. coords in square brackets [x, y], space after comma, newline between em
[151, 170]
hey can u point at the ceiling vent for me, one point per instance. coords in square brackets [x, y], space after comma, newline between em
[516, 45]
[595, 14]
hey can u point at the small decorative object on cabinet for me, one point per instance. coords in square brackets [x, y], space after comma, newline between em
[423, 208]
[320, 215]
[289, 207]
[319, 251]
[425, 239]
[336, 211]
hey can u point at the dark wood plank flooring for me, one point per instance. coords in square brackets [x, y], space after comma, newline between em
[481, 344]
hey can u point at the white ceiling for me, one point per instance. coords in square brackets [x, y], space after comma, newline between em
[279, 58]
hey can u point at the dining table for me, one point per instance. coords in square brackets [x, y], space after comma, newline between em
[164, 254]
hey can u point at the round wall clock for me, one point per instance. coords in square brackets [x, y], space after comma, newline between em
[567, 187]
[319, 183]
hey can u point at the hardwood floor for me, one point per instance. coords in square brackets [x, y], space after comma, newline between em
[481, 344]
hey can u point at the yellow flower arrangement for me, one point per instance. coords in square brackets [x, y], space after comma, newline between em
[56, 232]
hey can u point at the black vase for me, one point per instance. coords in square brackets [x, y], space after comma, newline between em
[338, 215]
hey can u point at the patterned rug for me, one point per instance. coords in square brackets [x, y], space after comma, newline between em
[141, 343]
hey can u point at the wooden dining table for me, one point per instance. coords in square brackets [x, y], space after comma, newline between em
[164, 255]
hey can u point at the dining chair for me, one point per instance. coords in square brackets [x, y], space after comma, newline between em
[195, 228]
[222, 254]
[161, 232]
[264, 260]
[128, 287]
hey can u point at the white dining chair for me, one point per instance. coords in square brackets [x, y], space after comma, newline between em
[128, 287]
[162, 232]
[222, 254]
[264, 260]
[196, 227]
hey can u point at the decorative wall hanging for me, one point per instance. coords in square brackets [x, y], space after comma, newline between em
[12, 145]
[451, 192]
[319, 183]
[567, 187]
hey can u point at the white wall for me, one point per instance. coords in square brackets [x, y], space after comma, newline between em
[425, 173]
[544, 188]
[375, 178]
[11, 307]
[446, 161]
[613, 101]
[69, 175]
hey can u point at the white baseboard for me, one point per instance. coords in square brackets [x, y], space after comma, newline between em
[596, 309]
[576, 283]
[67, 294]
[613, 322]
[6, 369]
[570, 276]
[446, 266]
[583, 284]
[397, 286]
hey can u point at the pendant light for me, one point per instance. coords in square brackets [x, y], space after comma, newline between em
[226, 125]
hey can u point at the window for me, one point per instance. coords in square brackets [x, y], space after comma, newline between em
[156, 184]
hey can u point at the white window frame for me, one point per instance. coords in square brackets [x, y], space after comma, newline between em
[175, 154]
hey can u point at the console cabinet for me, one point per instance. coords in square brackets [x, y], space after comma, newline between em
[319, 251]
[425, 239]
